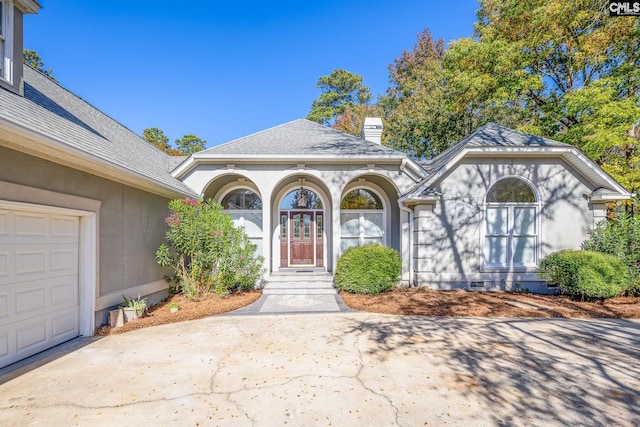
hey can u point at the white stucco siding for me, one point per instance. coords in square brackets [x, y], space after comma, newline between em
[450, 249]
[330, 181]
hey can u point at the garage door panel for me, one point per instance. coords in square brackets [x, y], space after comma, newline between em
[64, 326]
[25, 300]
[37, 334]
[38, 228]
[27, 262]
[39, 297]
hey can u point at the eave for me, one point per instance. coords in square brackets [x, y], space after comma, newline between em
[207, 159]
[36, 144]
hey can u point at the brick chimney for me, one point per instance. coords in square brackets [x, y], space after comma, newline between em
[372, 129]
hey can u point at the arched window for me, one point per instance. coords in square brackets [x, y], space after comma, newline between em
[245, 207]
[361, 219]
[511, 225]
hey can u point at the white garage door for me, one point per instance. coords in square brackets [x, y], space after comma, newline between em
[39, 302]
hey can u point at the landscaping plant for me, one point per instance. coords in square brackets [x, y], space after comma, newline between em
[368, 269]
[206, 251]
[585, 275]
[619, 237]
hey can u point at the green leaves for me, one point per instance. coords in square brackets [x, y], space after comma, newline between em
[206, 251]
[341, 90]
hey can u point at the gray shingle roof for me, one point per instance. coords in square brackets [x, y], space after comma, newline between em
[302, 138]
[489, 135]
[49, 109]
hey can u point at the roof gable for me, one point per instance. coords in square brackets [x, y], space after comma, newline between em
[494, 140]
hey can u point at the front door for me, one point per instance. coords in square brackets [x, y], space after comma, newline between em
[301, 242]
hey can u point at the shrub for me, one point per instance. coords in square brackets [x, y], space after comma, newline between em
[619, 237]
[585, 274]
[206, 251]
[368, 269]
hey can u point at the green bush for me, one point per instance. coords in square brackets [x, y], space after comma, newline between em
[619, 237]
[368, 269]
[585, 274]
[206, 251]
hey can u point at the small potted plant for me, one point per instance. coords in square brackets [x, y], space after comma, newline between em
[174, 307]
[133, 307]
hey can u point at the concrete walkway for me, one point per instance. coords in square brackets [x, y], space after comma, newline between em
[341, 369]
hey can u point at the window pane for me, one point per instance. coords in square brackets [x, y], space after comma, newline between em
[319, 227]
[350, 224]
[373, 224]
[495, 251]
[511, 190]
[296, 226]
[369, 240]
[346, 243]
[301, 199]
[524, 250]
[497, 221]
[361, 199]
[253, 223]
[283, 226]
[242, 199]
[524, 221]
[307, 225]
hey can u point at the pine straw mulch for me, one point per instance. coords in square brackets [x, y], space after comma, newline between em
[410, 302]
[206, 305]
[428, 302]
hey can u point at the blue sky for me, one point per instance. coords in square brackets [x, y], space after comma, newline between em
[225, 69]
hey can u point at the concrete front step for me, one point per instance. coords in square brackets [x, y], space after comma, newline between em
[299, 291]
[318, 283]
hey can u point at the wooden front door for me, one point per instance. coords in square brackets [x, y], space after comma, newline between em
[301, 243]
[301, 238]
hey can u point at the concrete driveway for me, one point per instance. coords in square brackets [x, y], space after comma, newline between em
[344, 369]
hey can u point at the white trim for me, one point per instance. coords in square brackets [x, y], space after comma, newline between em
[572, 155]
[6, 72]
[88, 256]
[28, 6]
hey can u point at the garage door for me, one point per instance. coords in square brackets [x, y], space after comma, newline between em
[39, 302]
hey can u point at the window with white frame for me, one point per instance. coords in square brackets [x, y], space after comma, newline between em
[361, 219]
[6, 44]
[511, 225]
[245, 207]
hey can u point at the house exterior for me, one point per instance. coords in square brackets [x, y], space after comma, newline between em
[479, 216]
[83, 201]
[82, 207]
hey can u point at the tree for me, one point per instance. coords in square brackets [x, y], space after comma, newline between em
[34, 60]
[352, 119]
[341, 90]
[564, 70]
[190, 144]
[418, 120]
[156, 137]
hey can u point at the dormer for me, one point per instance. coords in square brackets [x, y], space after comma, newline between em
[11, 35]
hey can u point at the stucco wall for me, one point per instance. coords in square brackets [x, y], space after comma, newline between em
[130, 221]
[449, 234]
[330, 181]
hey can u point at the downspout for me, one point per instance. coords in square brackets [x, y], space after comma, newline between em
[411, 260]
